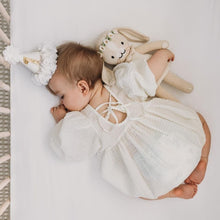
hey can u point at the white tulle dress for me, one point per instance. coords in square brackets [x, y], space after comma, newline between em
[152, 151]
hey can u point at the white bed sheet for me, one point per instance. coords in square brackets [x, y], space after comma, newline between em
[44, 187]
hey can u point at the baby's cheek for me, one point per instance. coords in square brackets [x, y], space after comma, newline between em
[65, 104]
[70, 106]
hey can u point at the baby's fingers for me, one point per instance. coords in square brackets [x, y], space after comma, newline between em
[61, 106]
[171, 58]
[52, 109]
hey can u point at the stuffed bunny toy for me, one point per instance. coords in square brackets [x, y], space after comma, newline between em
[115, 49]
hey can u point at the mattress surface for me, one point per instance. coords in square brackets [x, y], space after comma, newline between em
[45, 187]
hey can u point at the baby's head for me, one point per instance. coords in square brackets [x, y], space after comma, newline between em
[79, 68]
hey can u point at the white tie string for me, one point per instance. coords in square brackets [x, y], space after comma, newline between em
[110, 109]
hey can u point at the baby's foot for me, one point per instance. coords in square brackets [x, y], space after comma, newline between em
[184, 191]
[198, 173]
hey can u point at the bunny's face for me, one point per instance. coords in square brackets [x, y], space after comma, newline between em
[116, 50]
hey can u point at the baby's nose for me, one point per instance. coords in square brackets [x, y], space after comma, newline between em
[61, 101]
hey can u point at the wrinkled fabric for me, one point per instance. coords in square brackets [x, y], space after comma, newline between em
[136, 78]
[152, 151]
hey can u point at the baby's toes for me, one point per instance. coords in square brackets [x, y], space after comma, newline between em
[195, 188]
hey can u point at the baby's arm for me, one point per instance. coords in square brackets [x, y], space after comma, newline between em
[58, 112]
[159, 60]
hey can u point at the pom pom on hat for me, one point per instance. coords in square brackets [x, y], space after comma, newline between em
[11, 55]
[42, 62]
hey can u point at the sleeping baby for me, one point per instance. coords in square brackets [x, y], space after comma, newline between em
[152, 149]
[149, 149]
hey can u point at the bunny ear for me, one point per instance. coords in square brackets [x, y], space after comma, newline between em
[133, 35]
[108, 76]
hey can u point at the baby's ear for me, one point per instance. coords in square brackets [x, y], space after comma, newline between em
[83, 87]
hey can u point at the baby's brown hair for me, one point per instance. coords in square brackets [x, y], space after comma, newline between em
[78, 62]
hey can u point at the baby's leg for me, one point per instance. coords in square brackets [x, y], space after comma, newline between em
[198, 173]
[159, 61]
[184, 191]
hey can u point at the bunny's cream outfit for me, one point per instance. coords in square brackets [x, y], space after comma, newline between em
[152, 151]
[136, 78]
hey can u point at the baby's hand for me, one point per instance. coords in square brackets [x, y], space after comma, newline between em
[170, 55]
[58, 112]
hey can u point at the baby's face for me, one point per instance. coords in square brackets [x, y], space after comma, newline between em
[71, 95]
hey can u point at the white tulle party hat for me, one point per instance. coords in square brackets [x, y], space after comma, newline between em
[41, 62]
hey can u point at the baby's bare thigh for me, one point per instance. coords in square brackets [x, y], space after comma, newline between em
[207, 132]
[203, 121]
[157, 64]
